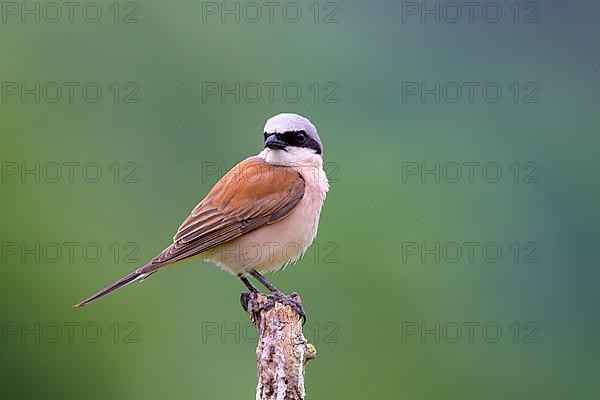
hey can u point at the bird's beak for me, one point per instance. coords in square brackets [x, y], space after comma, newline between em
[273, 142]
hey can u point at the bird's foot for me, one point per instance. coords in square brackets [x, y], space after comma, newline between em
[246, 300]
[293, 300]
[252, 304]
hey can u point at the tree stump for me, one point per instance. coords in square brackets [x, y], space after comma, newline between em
[282, 350]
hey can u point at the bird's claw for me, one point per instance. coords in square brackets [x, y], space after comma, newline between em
[293, 300]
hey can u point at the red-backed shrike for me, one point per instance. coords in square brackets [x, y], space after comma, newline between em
[262, 215]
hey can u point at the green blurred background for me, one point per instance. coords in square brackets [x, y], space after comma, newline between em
[383, 312]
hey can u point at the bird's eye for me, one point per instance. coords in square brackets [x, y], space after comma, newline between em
[300, 137]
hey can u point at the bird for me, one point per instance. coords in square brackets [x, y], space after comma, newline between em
[262, 215]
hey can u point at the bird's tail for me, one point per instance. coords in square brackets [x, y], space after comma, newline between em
[132, 277]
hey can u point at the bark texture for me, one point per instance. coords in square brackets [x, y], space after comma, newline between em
[282, 350]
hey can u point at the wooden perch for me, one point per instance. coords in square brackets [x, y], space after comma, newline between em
[282, 350]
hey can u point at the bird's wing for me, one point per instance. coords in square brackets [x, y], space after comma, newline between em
[252, 194]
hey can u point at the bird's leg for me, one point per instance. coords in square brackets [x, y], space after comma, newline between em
[277, 295]
[265, 282]
[246, 298]
[249, 285]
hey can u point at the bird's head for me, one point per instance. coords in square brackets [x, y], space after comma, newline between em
[292, 134]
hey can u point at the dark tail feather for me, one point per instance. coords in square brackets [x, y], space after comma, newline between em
[134, 276]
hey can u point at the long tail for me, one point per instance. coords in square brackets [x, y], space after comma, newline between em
[138, 274]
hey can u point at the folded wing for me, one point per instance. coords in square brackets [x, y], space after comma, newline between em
[253, 194]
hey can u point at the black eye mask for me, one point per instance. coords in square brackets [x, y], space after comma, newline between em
[297, 139]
